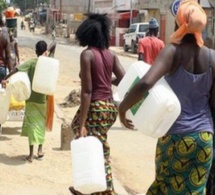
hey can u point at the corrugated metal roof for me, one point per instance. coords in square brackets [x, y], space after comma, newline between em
[206, 4]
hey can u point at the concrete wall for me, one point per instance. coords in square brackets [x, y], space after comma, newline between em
[103, 6]
[73, 6]
[160, 9]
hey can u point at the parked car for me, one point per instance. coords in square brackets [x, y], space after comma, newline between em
[135, 32]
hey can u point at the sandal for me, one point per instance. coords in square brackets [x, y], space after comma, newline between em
[40, 156]
[73, 191]
[28, 160]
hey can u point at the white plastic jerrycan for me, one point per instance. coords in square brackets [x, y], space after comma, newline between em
[20, 86]
[88, 166]
[4, 104]
[157, 111]
[46, 75]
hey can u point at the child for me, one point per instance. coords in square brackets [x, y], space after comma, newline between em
[34, 123]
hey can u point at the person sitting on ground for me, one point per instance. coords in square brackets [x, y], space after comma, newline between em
[34, 124]
[151, 45]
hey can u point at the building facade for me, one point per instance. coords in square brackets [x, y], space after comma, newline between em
[162, 10]
[125, 12]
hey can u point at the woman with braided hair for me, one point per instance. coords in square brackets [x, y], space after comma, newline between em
[97, 112]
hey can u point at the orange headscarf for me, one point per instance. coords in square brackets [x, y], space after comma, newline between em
[191, 18]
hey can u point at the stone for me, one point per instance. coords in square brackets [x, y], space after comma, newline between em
[66, 135]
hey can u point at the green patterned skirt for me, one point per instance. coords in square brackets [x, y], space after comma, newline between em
[182, 164]
[34, 123]
[101, 116]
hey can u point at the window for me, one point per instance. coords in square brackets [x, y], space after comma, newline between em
[143, 27]
[132, 28]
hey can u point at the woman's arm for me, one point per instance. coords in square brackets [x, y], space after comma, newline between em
[86, 88]
[118, 71]
[51, 48]
[161, 66]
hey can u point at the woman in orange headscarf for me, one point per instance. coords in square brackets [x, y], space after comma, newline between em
[184, 154]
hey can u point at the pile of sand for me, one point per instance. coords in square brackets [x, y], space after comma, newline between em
[72, 100]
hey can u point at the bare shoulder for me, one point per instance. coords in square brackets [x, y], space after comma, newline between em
[87, 54]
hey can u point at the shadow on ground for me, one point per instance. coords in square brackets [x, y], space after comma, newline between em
[14, 161]
[11, 130]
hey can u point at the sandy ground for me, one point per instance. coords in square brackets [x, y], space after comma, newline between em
[49, 176]
[132, 155]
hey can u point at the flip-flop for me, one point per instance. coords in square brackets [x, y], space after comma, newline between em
[74, 192]
[27, 160]
[40, 156]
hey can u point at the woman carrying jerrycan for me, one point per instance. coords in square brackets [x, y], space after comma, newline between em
[97, 112]
[184, 155]
[34, 124]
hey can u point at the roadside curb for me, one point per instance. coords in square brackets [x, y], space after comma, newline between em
[122, 53]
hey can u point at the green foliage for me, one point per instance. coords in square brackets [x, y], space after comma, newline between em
[3, 5]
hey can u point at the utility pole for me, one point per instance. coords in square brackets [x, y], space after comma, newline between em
[131, 11]
[60, 9]
[25, 6]
[89, 6]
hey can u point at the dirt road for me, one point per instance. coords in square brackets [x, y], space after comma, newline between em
[132, 153]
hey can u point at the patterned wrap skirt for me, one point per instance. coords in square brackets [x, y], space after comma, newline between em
[34, 124]
[182, 164]
[101, 116]
[211, 179]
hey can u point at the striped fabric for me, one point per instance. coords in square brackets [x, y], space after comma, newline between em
[101, 116]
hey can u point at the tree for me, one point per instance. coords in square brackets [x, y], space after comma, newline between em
[3, 5]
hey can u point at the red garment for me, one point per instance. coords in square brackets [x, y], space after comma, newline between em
[101, 72]
[150, 47]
